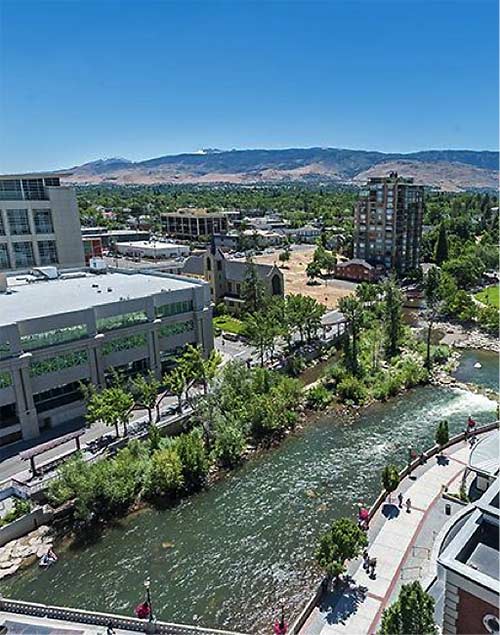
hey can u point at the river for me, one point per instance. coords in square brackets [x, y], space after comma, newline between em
[486, 375]
[225, 557]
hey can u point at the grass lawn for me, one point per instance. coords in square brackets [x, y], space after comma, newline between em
[229, 324]
[489, 296]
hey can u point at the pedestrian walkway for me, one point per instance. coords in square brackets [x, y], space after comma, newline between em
[357, 608]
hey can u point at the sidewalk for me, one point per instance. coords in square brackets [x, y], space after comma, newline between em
[357, 609]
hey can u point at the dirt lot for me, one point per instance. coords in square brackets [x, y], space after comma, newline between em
[294, 271]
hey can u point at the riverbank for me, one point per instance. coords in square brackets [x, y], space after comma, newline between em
[461, 337]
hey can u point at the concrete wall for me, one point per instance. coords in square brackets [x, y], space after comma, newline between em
[25, 524]
[66, 219]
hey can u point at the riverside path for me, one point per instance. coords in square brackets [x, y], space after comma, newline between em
[357, 608]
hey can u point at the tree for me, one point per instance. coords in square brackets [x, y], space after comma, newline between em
[442, 434]
[432, 292]
[145, 390]
[353, 313]
[253, 290]
[229, 444]
[441, 248]
[284, 256]
[313, 271]
[390, 478]
[111, 406]
[175, 383]
[198, 368]
[393, 317]
[262, 330]
[343, 541]
[411, 614]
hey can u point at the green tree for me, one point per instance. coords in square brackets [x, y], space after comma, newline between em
[392, 316]
[229, 444]
[111, 406]
[411, 614]
[199, 368]
[313, 271]
[352, 310]
[441, 248]
[253, 290]
[390, 478]
[262, 330]
[145, 390]
[175, 383]
[432, 292]
[442, 434]
[343, 541]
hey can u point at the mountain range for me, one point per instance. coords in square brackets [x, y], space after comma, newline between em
[450, 170]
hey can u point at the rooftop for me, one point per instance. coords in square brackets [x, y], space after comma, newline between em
[35, 175]
[31, 298]
[152, 244]
[193, 211]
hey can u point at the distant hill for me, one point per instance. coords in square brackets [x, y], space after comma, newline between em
[452, 170]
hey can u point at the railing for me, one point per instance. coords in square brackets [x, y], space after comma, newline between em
[95, 618]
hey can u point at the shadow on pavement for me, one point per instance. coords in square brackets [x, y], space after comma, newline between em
[338, 604]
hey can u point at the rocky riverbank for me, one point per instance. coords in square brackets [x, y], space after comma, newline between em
[458, 336]
[24, 551]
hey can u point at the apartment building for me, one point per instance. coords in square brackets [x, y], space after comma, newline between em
[388, 223]
[76, 328]
[39, 222]
[194, 223]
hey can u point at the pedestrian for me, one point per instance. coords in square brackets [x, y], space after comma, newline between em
[408, 505]
[366, 560]
[110, 630]
[400, 500]
[373, 566]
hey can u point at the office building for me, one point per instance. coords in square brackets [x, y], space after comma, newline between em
[388, 223]
[194, 223]
[39, 222]
[56, 333]
[155, 249]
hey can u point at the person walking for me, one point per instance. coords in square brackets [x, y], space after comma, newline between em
[366, 560]
[408, 505]
[400, 500]
[372, 567]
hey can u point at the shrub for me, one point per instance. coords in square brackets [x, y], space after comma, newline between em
[440, 354]
[336, 373]
[390, 478]
[21, 508]
[191, 450]
[318, 397]
[412, 373]
[351, 389]
[229, 444]
[165, 477]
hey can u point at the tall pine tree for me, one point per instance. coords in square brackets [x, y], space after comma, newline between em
[441, 251]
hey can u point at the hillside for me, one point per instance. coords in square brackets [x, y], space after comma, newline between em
[453, 170]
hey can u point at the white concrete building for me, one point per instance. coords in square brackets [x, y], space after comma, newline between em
[39, 222]
[154, 249]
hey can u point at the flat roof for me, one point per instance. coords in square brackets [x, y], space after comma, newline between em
[35, 175]
[152, 244]
[76, 292]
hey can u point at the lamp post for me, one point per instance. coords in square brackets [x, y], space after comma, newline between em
[147, 586]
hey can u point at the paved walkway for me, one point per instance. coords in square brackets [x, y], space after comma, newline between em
[356, 610]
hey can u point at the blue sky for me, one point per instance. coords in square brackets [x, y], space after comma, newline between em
[82, 80]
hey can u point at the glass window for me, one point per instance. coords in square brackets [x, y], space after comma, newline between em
[119, 321]
[124, 343]
[5, 379]
[174, 308]
[43, 221]
[18, 222]
[58, 363]
[167, 330]
[48, 252]
[23, 254]
[4, 257]
[10, 190]
[34, 190]
[59, 396]
[48, 338]
[2, 226]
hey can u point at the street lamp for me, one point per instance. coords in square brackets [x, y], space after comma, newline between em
[147, 586]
